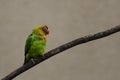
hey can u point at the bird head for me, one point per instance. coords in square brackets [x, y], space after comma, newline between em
[41, 29]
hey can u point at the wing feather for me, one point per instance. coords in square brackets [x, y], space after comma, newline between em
[28, 43]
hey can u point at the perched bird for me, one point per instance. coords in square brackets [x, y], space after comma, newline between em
[35, 43]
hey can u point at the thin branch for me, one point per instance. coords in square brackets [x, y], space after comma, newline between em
[60, 49]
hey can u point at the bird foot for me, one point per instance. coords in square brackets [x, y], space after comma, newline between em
[33, 61]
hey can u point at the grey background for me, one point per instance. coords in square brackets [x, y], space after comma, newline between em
[67, 20]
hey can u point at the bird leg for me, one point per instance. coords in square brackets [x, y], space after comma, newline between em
[33, 61]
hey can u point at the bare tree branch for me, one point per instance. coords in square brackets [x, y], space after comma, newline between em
[60, 49]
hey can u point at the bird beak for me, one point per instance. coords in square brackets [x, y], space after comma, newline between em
[47, 32]
[45, 29]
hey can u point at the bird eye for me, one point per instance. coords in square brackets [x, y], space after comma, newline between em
[46, 27]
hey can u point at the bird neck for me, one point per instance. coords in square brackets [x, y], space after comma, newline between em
[38, 33]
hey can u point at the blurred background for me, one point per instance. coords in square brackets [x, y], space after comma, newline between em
[67, 20]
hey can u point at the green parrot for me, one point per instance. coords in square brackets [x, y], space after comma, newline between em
[35, 43]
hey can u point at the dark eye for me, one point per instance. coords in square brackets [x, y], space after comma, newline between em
[45, 28]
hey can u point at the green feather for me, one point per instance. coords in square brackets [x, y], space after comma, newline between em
[35, 45]
[28, 43]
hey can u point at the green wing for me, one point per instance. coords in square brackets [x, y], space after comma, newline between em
[28, 43]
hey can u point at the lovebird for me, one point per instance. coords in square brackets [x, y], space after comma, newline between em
[36, 43]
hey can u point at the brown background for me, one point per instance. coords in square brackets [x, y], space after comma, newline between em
[67, 20]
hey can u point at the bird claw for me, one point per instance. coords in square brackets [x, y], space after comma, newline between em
[33, 61]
